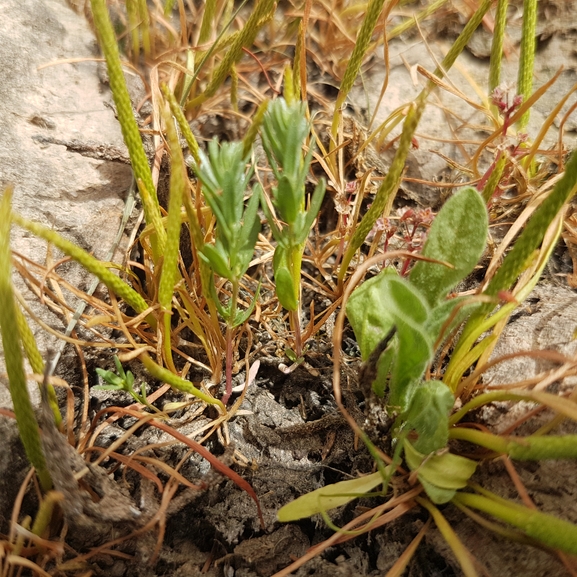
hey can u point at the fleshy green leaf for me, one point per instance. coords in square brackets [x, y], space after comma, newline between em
[373, 309]
[367, 312]
[285, 289]
[436, 494]
[429, 415]
[217, 261]
[287, 200]
[328, 497]
[458, 236]
[444, 472]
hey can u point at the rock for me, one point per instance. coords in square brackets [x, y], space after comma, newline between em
[47, 93]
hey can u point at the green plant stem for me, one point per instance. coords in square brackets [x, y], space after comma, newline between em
[495, 178]
[44, 515]
[558, 404]
[91, 264]
[35, 359]
[144, 27]
[132, 14]
[177, 382]
[183, 124]
[170, 274]
[296, 258]
[230, 329]
[370, 20]
[207, 21]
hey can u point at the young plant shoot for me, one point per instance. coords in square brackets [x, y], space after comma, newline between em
[285, 131]
[224, 175]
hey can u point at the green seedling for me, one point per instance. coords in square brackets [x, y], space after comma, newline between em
[123, 381]
[417, 306]
[285, 131]
[224, 176]
[404, 320]
[415, 310]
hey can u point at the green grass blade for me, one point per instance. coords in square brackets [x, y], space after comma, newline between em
[128, 125]
[35, 359]
[91, 264]
[25, 418]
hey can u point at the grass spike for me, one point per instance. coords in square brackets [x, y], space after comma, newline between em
[527, 56]
[91, 264]
[25, 418]
[128, 125]
[497, 49]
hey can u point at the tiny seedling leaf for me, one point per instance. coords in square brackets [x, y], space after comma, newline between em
[314, 207]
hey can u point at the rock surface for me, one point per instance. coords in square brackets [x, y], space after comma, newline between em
[51, 90]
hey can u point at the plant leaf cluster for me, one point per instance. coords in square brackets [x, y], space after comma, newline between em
[225, 175]
[285, 131]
